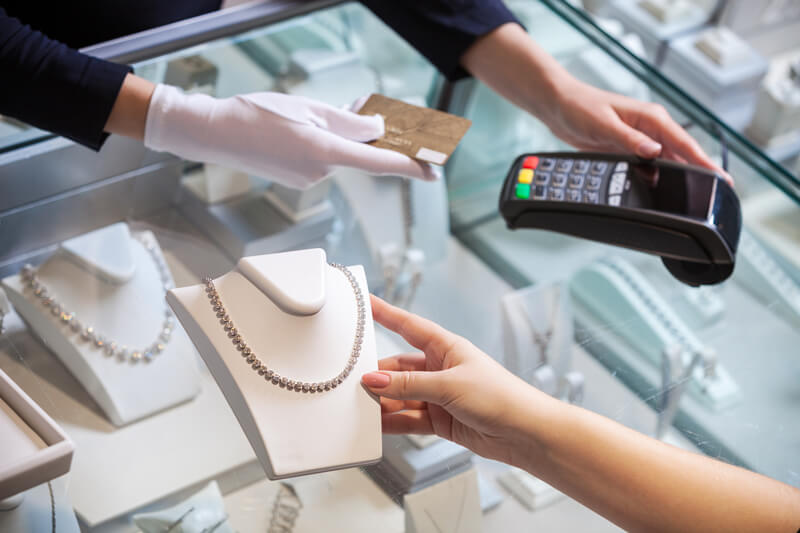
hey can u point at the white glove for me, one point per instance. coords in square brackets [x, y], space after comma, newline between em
[292, 140]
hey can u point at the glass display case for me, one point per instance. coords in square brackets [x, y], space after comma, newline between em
[713, 369]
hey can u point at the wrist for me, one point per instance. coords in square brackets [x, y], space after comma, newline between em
[129, 113]
[540, 422]
[180, 123]
[527, 75]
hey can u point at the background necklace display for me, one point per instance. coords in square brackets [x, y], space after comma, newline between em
[98, 305]
[537, 329]
[87, 333]
[542, 339]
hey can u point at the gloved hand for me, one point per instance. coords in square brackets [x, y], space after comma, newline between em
[292, 140]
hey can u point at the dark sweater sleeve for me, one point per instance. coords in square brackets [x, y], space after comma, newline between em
[53, 87]
[442, 30]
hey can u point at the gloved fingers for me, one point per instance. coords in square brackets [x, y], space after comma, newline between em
[359, 103]
[348, 124]
[379, 161]
[304, 110]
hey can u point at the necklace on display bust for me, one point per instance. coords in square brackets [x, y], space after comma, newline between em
[542, 340]
[88, 333]
[270, 375]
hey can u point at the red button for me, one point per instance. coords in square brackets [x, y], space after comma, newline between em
[530, 162]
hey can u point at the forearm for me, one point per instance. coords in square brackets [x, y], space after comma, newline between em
[514, 66]
[51, 86]
[129, 113]
[643, 484]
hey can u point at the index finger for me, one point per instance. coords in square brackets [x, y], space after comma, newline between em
[677, 140]
[419, 332]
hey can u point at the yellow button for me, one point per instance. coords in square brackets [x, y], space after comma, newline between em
[525, 175]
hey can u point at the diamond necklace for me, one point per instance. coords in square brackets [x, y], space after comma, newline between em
[270, 375]
[87, 333]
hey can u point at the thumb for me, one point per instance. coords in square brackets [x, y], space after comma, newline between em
[411, 385]
[634, 141]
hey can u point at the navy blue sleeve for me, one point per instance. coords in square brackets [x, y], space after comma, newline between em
[53, 87]
[442, 30]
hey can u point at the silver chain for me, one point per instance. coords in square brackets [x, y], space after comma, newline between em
[87, 333]
[542, 340]
[270, 375]
[52, 506]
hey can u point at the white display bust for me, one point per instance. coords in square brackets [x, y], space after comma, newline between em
[111, 282]
[299, 316]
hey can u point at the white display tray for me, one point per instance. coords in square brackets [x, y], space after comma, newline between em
[34, 449]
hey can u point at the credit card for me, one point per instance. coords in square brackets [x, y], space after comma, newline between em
[419, 132]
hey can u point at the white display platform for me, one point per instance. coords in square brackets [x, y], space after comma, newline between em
[264, 296]
[34, 449]
[217, 183]
[116, 471]
[529, 490]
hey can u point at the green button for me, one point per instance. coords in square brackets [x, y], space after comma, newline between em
[523, 190]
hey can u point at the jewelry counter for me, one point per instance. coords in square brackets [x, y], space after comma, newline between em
[159, 443]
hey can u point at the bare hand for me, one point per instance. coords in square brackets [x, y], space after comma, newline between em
[452, 388]
[592, 119]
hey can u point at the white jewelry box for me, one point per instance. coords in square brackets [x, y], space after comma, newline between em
[34, 449]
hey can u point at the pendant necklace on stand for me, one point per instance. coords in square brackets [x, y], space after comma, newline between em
[542, 339]
[273, 377]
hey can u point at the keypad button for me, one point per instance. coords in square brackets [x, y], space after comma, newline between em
[530, 162]
[574, 195]
[576, 181]
[581, 166]
[556, 194]
[525, 176]
[614, 200]
[598, 167]
[540, 192]
[591, 197]
[547, 164]
[523, 191]
[541, 178]
[559, 179]
[617, 184]
[564, 165]
[594, 182]
[621, 166]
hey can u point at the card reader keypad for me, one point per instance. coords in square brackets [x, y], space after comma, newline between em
[572, 180]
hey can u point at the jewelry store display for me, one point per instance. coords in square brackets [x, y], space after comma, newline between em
[270, 375]
[542, 340]
[88, 333]
[285, 510]
[461, 505]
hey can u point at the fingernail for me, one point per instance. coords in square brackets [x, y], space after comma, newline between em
[649, 148]
[376, 379]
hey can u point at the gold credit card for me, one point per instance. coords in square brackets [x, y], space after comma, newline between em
[422, 133]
